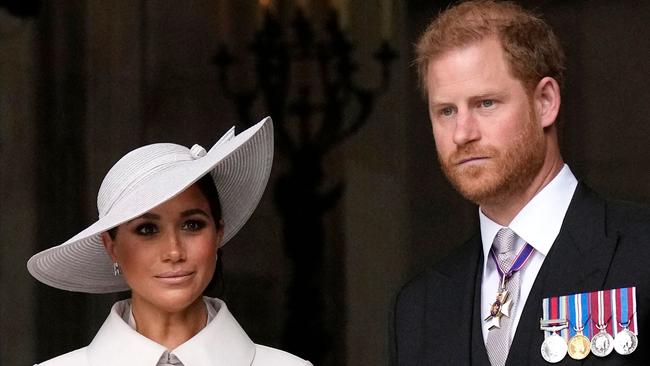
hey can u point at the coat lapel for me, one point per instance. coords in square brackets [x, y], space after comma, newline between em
[451, 295]
[578, 261]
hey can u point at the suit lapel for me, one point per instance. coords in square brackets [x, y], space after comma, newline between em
[578, 261]
[450, 303]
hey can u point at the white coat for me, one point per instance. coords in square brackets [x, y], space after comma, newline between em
[221, 343]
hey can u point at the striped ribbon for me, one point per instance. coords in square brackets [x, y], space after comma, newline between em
[521, 260]
[579, 315]
[615, 308]
[625, 305]
[556, 308]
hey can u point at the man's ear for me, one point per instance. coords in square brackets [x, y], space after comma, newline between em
[108, 245]
[546, 101]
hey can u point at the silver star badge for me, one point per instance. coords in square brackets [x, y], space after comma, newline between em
[501, 307]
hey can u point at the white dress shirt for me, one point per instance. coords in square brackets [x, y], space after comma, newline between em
[537, 224]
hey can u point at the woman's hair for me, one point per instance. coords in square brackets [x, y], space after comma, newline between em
[216, 286]
[530, 46]
[209, 190]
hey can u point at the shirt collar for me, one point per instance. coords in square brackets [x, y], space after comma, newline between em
[128, 317]
[549, 207]
[222, 342]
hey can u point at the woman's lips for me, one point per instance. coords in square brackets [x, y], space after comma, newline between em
[174, 277]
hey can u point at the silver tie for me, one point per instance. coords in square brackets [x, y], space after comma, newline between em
[498, 340]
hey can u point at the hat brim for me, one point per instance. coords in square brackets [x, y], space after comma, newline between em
[240, 167]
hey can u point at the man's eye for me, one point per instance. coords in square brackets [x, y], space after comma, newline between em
[146, 229]
[194, 225]
[447, 111]
[487, 103]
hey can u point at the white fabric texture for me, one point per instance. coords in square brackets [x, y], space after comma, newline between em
[221, 343]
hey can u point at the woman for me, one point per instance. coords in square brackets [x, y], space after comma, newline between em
[164, 211]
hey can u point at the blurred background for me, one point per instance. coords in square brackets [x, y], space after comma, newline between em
[356, 204]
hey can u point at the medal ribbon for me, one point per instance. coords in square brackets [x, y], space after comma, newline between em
[521, 260]
[601, 306]
[563, 302]
[579, 314]
[626, 309]
[550, 311]
[555, 308]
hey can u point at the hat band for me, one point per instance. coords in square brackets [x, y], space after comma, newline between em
[149, 173]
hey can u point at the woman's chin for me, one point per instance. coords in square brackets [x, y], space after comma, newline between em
[172, 301]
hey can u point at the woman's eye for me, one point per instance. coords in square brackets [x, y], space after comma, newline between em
[194, 225]
[146, 229]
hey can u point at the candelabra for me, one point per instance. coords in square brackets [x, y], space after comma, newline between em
[312, 115]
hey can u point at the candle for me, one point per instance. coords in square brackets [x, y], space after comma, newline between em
[343, 14]
[262, 9]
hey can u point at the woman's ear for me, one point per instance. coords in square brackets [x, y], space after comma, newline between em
[220, 234]
[547, 101]
[108, 245]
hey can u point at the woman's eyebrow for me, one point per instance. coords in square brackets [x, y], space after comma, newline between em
[146, 216]
[194, 211]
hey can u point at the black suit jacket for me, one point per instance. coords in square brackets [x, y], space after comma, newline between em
[601, 245]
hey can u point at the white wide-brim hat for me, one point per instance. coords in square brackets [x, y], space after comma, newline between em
[146, 177]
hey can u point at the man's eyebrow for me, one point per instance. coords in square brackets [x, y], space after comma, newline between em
[438, 103]
[490, 94]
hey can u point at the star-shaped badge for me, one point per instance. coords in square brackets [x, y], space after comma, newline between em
[501, 307]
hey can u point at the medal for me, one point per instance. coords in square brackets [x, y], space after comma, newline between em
[613, 324]
[579, 344]
[554, 348]
[625, 341]
[502, 306]
[602, 343]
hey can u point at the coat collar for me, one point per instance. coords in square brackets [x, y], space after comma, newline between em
[221, 343]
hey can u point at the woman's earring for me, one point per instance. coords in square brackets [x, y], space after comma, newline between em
[116, 269]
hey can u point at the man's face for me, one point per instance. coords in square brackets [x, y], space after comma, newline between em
[489, 141]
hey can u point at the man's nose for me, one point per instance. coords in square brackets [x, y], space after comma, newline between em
[466, 129]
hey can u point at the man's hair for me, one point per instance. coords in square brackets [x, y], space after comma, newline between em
[530, 46]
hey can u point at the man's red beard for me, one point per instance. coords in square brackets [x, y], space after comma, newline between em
[504, 173]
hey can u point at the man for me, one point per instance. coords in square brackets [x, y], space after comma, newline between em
[492, 72]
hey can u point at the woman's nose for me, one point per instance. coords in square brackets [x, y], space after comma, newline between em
[174, 250]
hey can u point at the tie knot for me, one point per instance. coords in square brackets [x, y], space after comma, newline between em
[504, 242]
